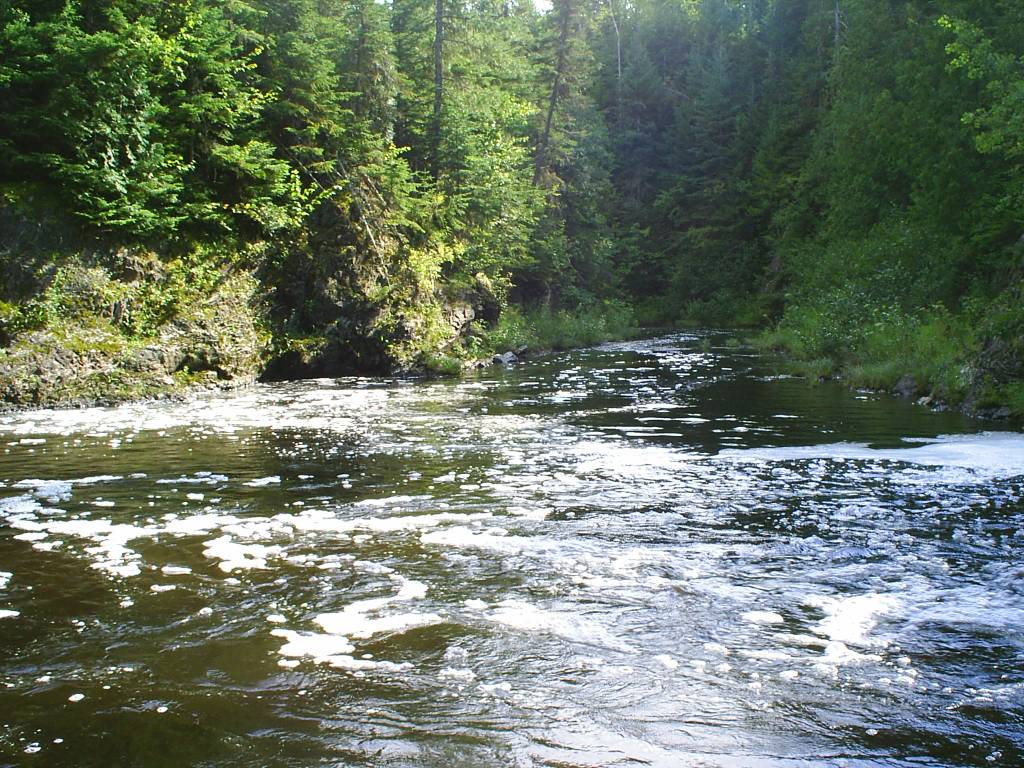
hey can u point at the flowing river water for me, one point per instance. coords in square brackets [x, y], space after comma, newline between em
[645, 554]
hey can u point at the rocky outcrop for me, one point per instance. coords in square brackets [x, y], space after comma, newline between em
[367, 340]
[219, 336]
[999, 365]
[366, 337]
[215, 342]
[475, 304]
[907, 386]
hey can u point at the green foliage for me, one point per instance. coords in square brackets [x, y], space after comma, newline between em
[442, 365]
[879, 345]
[560, 329]
[724, 308]
[492, 203]
[1013, 396]
[78, 292]
[855, 177]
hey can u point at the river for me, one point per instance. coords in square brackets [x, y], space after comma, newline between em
[650, 553]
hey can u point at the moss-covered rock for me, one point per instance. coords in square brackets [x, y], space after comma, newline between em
[220, 334]
[90, 359]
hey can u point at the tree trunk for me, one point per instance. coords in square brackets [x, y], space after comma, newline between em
[564, 12]
[435, 137]
[838, 23]
[618, 60]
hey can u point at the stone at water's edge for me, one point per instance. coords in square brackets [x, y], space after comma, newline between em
[906, 387]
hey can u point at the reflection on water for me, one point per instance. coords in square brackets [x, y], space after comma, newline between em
[650, 553]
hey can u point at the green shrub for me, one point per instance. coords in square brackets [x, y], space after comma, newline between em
[442, 365]
[876, 345]
[547, 328]
[725, 309]
[1013, 396]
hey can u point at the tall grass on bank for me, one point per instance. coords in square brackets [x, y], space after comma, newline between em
[558, 329]
[943, 352]
[931, 345]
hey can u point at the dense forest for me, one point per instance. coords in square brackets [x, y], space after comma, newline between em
[220, 189]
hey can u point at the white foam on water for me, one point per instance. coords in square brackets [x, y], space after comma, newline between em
[838, 653]
[492, 539]
[109, 551]
[7, 614]
[319, 647]
[5, 579]
[333, 407]
[343, 661]
[106, 541]
[530, 513]
[32, 536]
[987, 455]
[352, 623]
[634, 559]
[50, 491]
[461, 675]
[518, 614]
[263, 481]
[176, 570]
[763, 617]
[333, 650]
[199, 478]
[359, 620]
[717, 648]
[848, 620]
[324, 521]
[356, 621]
[253, 528]
[624, 459]
[370, 567]
[19, 507]
[238, 557]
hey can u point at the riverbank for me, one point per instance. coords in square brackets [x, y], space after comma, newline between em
[83, 351]
[533, 332]
[940, 360]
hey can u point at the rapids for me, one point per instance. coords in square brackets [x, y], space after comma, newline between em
[649, 553]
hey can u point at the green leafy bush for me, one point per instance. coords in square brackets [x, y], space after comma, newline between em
[547, 328]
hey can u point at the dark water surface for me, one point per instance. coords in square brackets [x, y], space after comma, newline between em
[646, 554]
